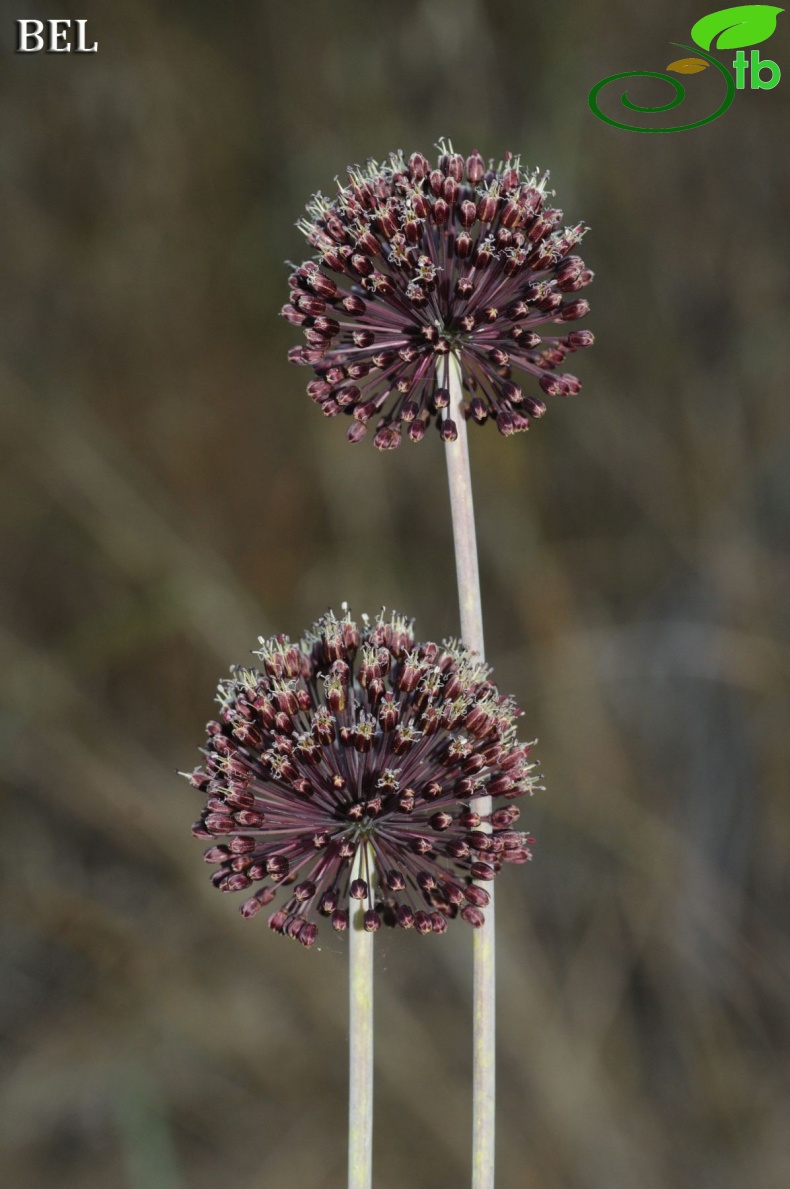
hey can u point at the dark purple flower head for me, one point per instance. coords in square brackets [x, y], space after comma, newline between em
[341, 773]
[419, 264]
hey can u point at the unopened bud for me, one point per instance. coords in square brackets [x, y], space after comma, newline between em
[487, 208]
[475, 168]
[574, 309]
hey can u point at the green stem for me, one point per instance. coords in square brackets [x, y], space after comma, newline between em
[360, 972]
[484, 991]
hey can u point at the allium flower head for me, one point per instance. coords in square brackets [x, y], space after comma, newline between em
[417, 262]
[340, 776]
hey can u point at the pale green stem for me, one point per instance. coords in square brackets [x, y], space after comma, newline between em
[484, 991]
[360, 980]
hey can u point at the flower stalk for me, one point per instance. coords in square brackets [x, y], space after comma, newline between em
[360, 971]
[341, 775]
[484, 988]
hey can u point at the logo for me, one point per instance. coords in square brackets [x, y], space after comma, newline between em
[729, 29]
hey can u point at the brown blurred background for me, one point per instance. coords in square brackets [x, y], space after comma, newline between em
[168, 492]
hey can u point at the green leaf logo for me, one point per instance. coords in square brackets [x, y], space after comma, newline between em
[748, 24]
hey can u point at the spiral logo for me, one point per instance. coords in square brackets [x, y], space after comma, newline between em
[731, 28]
[675, 101]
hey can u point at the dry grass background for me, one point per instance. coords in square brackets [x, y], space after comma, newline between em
[168, 493]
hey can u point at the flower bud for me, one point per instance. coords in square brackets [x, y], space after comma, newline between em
[478, 409]
[418, 167]
[361, 264]
[487, 208]
[294, 316]
[475, 168]
[467, 214]
[322, 285]
[574, 309]
[310, 304]
[450, 191]
[367, 243]
[387, 438]
[385, 224]
[482, 257]
[455, 167]
[472, 916]
[441, 821]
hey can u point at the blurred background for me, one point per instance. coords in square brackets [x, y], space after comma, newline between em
[168, 493]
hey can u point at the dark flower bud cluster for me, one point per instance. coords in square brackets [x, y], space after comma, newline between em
[340, 776]
[418, 263]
